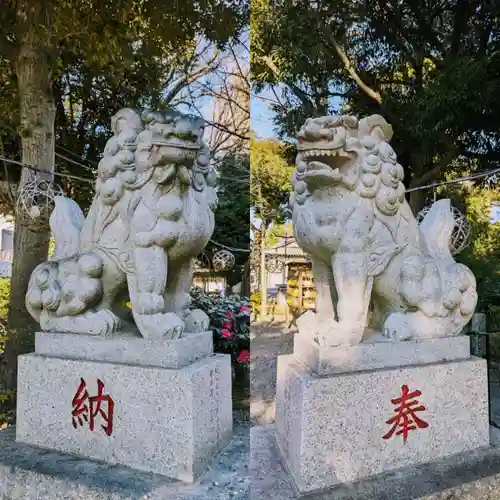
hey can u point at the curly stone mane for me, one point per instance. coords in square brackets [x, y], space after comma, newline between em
[128, 159]
[372, 170]
[380, 176]
[152, 214]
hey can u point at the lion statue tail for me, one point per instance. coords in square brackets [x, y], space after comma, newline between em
[437, 229]
[66, 223]
[458, 283]
[69, 282]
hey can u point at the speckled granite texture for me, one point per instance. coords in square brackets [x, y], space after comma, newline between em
[378, 352]
[170, 422]
[31, 473]
[473, 475]
[126, 348]
[330, 429]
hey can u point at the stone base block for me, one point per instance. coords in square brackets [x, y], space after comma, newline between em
[126, 348]
[342, 428]
[171, 422]
[378, 352]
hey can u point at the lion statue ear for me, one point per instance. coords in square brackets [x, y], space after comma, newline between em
[375, 125]
[126, 118]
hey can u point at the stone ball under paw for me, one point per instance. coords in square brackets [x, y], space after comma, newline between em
[41, 277]
[396, 327]
[91, 265]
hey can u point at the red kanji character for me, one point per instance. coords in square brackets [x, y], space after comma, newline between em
[405, 414]
[95, 408]
[79, 408]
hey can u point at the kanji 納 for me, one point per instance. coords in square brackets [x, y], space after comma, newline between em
[87, 408]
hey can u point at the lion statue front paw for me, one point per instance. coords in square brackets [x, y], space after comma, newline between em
[328, 332]
[197, 321]
[161, 326]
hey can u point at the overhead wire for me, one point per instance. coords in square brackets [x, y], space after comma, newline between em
[72, 153]
[232, 249]
[58, 174]
[75, 177]
[490, 173]
[457, 180]
[86, 167]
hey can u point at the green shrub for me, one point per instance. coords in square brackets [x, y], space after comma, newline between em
[229, 320]
[6, 396]
[493, 318]
[3, 335]
[255, 302]
[4, 310]
[4, 297]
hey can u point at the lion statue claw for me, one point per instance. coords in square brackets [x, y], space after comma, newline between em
[151, 215]
[368, 252]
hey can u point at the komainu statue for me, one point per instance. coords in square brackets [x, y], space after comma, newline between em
[370, 257]
[151, 215]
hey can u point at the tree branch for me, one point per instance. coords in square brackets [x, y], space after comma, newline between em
[7, 48]
[303, 97]
[433, 172]
[221, 127]
[351, 70]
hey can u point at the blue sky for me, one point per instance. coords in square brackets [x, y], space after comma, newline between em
[261, 118]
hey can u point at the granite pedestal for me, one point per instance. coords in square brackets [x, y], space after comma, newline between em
[342, 416]
[162, 407]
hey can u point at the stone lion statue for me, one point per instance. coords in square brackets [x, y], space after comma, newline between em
[368, 252]
[151, 215]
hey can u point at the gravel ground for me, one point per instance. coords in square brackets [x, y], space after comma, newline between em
[30, 473]
[268, 342]
[468, 476]
[471, 476]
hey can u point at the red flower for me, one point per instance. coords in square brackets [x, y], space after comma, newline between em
[244, 309]
[229, 314]
[227, 324]
[243, 356]
[226, 333]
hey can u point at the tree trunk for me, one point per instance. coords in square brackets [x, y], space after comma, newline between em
[263, 273]
[33, 67]
[245, 286]
[417, 200]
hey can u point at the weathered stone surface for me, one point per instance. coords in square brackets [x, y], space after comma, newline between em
[330, 429]
[32, 473]
[378, 352]
[472, 475]
[126, 349]
[171, 422]
[350, 215]
[151, 215]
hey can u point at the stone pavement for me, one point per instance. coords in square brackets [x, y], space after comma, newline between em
[472, 476]
[30, 473]
[494, 383]
[469, 476]
[269, 342]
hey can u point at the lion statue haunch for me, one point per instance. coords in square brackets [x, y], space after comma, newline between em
[151, 215]
[368, 252]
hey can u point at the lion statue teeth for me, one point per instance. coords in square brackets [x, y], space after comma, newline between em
[370, 257]
[151, 215]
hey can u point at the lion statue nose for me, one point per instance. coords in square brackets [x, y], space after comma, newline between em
[327, 134]
[312, 132]
[316, 130]
[189, 126]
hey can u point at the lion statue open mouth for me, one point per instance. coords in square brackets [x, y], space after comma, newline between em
[368, 252]
[151, 215]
